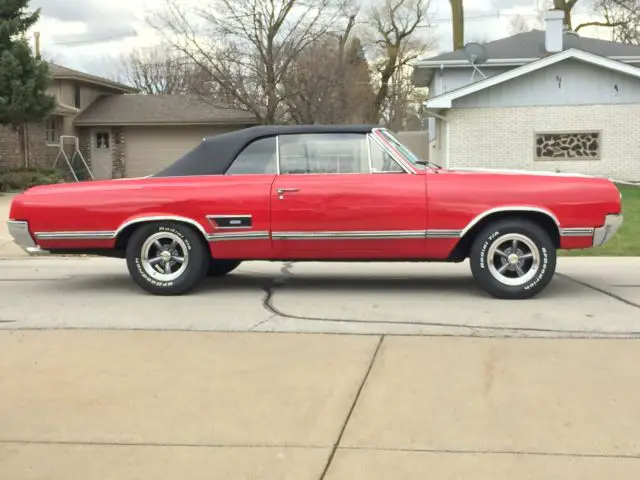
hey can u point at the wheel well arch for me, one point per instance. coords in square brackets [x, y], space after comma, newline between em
[124, 232]
[546, 220]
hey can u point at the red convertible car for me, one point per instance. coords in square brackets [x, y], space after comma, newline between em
[320, 193]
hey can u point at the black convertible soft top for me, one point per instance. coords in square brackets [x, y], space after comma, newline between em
[214, 155]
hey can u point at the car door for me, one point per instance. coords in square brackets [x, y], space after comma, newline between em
[342, 195]
[237, 204]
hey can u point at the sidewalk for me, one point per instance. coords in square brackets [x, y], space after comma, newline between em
[138, 405]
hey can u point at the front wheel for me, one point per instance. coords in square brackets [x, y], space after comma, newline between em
[167, 258]
[513, 259]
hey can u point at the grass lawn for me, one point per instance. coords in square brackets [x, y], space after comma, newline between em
[627, 240]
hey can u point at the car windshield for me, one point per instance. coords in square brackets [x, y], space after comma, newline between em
[407, 154]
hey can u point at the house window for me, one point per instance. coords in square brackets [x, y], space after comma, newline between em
[568, 146]
[76, 96]
[102, 140]
[53, 125]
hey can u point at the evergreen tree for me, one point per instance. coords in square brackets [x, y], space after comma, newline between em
[23, 78]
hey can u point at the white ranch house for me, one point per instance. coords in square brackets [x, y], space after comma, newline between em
[551, 100]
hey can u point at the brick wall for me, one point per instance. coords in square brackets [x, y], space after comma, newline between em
[119, 161]
[504, 138]
[9, 150]
[40, 154]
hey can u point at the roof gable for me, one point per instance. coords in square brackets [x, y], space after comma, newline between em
[528, 46]
[445, 100]
[59, 72]
[141, 109]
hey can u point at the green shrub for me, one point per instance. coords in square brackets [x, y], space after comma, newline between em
[23, 178]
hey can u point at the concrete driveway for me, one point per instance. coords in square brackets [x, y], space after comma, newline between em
[589, 297]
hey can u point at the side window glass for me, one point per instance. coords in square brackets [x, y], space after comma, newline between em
[323, 153]
[382, 162]
[257, 157]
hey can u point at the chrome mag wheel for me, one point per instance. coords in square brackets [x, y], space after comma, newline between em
[513, 259]
[164, 256]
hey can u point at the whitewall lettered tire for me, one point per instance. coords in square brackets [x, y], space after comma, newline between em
[167, 258]
[513, 259]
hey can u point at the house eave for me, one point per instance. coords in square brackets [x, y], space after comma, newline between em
[97, 123]
[100, 83]
[446, 99]
[505, 62]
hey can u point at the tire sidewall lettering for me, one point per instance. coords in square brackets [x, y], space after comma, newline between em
[485, 247]
[544, 261]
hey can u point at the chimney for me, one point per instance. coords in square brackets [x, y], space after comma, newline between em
[37, 39]
[554, 30]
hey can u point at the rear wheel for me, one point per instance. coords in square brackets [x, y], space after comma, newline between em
[219, 268]
[167, 258]
[513, 259]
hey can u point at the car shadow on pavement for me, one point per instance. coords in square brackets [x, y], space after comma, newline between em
[427, 285]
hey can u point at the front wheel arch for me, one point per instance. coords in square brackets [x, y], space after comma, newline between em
[463, 247]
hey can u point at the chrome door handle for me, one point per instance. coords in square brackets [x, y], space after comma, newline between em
[282, 190]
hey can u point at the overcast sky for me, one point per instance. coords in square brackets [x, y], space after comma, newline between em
[81, 33]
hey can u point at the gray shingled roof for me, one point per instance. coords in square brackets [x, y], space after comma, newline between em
[142, 109]
[60, 72]
[531, 45]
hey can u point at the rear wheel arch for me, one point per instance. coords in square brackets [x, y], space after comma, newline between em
[123, 234]
[544, 219]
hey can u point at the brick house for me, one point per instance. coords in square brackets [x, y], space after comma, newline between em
[541, 100]
[120, 132]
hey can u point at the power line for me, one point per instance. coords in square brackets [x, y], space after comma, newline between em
[116, 36]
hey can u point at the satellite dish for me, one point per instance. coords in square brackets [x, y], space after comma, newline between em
[477, 54]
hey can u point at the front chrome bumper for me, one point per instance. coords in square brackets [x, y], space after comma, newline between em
[606, 232]
[19, 230]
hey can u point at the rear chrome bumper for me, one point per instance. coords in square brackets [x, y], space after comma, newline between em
[19, 230]
[603, 234]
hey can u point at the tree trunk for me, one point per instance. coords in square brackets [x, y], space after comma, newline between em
[457, 19]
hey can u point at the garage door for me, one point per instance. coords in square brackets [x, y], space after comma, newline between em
[150, 149]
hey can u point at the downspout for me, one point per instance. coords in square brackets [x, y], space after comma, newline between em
[442, 118]
[25, 132]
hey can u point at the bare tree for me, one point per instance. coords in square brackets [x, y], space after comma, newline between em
[622, 16]
[246, 47]
[404, 105]
[396, 45]
[160, 70]
[518, 24]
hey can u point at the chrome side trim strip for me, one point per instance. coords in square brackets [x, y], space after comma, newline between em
[577, 232]
[222, 237]
[76, 235]
[349, 235]
[443, 234]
